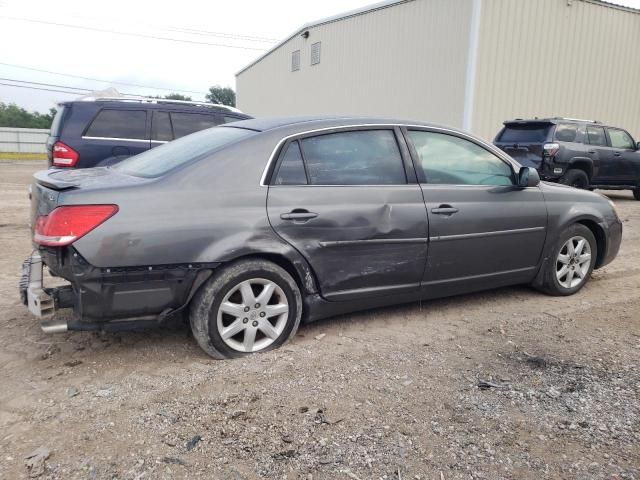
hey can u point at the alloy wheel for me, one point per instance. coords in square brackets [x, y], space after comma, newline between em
[573, 262]
[252, 315]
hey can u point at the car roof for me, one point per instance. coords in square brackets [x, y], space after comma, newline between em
[300, 124]
[158, 103]
[550, 120]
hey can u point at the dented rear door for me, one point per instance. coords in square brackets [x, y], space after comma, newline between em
[360, 239]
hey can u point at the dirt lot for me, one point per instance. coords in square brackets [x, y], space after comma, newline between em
[390, 394]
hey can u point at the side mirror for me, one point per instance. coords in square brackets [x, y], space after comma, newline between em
[528, 177]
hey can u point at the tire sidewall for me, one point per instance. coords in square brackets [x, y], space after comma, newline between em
[204, 320]
[553, 284]
[574, 174]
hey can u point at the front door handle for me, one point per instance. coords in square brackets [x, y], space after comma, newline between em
[298, 215]
[444, 210]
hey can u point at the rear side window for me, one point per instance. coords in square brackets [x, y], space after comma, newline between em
[596, 136]
[187, 123]
[125, 124]
[525, 133]
[620, 139]
[291, 169]
[159, 160]
[566, 132]
[161, 127]
[57, 122]
[367, 157]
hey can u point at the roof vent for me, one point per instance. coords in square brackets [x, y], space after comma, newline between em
[295, 61]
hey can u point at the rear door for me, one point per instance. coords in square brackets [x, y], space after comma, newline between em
[626, 158]
[605, 164]
[348, 201]
[185, 123]
[161, 128]
[484, 230]
[116, 133]
[524, 141]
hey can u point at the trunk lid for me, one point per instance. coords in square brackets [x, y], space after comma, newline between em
[524, 141]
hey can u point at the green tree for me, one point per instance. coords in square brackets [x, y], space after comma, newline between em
[222, 95]
[174, 96]
[12, 115]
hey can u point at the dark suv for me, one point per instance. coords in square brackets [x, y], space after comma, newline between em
[103, 131]
[580, 153]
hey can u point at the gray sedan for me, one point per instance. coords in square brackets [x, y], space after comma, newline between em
[250, 228]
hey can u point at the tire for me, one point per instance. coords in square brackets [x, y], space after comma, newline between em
[240, 285]
[554, 282]
[636, 193]
[575, 178]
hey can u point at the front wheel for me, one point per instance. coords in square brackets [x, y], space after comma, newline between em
[636, 193]
[575, 178]
[251, 306]
[573, 259]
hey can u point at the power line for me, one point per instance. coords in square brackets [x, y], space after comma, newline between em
[39, 88]
[131, 34]
[99, 80]
[86, 90]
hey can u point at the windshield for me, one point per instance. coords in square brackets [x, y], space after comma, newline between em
[525, 133]
[159, 160]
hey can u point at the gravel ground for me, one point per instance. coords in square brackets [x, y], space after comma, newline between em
[503, 384]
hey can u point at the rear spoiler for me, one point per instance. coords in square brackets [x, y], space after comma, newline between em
[46, 179]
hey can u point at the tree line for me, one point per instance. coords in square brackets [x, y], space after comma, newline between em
[11, 115]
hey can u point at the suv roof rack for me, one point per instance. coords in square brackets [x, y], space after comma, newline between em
[160, 100]
[575, 119]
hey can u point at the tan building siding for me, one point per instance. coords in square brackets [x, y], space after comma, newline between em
[407, 60]
[556, 58]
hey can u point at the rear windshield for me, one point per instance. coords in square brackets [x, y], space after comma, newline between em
[525, 133]
[57, 122]
[159, 160]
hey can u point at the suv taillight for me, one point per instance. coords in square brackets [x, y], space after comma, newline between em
[64, 225]
[64, 155]
[550, 149]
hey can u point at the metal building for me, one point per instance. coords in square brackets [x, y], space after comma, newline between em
[465, 63]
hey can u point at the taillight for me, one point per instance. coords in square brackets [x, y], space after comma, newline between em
[550, 149]
[64, 155]
[66, 224]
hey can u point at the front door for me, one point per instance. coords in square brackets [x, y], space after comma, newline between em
[484, 230]
[344, 201]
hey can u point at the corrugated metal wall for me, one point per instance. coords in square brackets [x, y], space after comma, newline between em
[404, 61]
[23, 140]
[557, 57]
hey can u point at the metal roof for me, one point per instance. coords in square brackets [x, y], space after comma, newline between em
[386, 4]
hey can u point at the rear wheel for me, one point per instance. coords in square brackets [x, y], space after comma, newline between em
[251, 306]
[575, 178]
[573, 259]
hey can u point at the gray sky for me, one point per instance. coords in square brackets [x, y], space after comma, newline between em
[234, 32]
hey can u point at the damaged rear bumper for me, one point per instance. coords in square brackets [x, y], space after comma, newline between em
[106, 298]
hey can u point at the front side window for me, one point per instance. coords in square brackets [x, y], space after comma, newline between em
[187, 123]
[364, 157]
[596, 136]
[620, 139]
[447, 159]
[566, 132]
[125, 124]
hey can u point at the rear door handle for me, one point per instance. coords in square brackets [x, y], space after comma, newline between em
[444, 210]
[298, 214]
[592, 152]
[617, 154]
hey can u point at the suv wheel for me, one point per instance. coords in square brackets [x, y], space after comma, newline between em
[636, 194]
[575, 178]
[251, 306]
[572, 262]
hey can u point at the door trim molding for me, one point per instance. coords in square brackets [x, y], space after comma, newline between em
[496, 233]
[345, 243]
[478, 277]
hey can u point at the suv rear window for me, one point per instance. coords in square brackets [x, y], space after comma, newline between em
[187, 123]
[525, 133]
[57, 122]
[566, 132]
[125, 124]
[159, 160]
